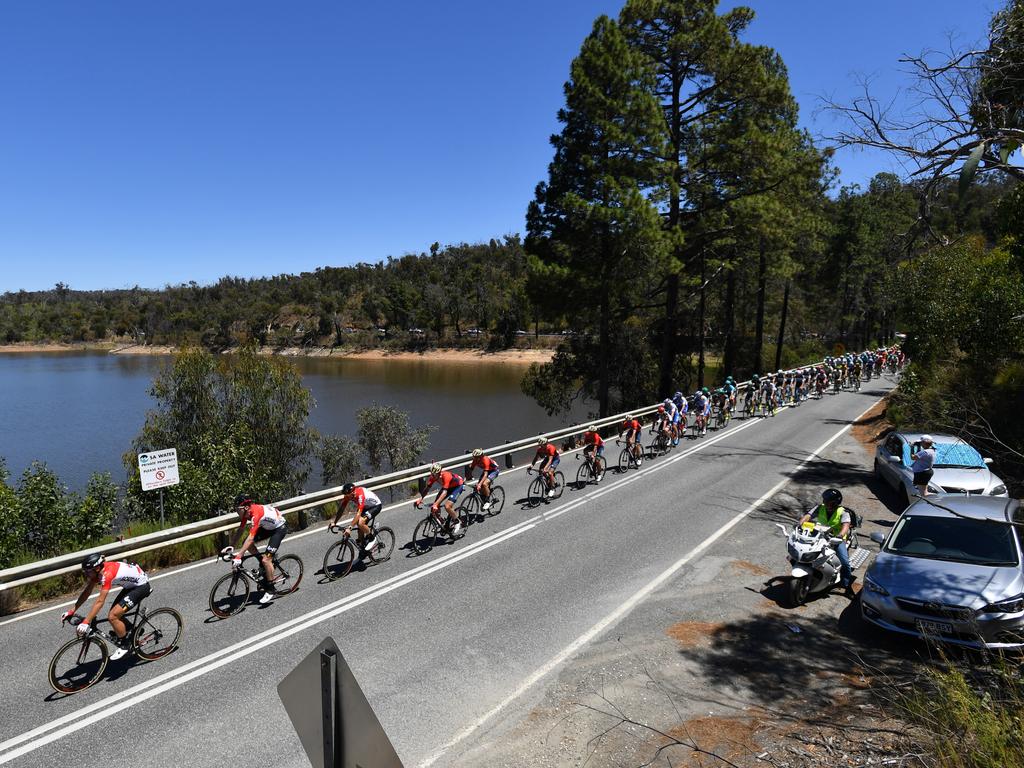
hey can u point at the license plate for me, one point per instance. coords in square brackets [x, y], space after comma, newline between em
[934, 627]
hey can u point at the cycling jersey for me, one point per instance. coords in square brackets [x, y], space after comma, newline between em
[118, 574]
[364, 498]
[265, 516]
[631, 426]
[547, 451]
[702, 405]
[486, 463]
[448, 480]
[670, 407]
[592, 438]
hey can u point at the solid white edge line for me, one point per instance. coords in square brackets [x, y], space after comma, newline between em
[631, 603]
[99, 710]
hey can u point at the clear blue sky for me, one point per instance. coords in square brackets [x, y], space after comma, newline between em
[154, 143]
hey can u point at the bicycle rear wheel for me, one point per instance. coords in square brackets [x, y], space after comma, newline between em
[497, 500]
[339, 559]
[229, 595]
[384, 547]
[559, 485]
[157, 634]
[77, 664]
[290, 568]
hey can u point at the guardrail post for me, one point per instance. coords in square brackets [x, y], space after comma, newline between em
[508, 459]
[303, 520]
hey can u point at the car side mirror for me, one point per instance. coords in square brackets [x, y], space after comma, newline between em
[896, 459]
[987, 460]
[878, 538]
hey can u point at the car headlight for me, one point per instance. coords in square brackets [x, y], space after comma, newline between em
[999, 490]
[1011, 605]
[874, 586]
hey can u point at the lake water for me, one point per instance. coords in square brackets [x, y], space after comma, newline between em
[78, 412]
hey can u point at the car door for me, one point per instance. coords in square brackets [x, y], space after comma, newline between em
[891, 470]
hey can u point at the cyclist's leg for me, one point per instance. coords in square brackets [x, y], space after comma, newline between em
[273, 544]
[126, 601]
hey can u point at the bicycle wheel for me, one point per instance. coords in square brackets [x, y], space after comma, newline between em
[384, 547]
[470, 510]
[624, 460]
[339, 559]
[290, 567]
[78, 664]
[559, 485]
[582, 475]
[425, 535]
[497, 500]
[157, 634]
[537, 492]
[229, 595]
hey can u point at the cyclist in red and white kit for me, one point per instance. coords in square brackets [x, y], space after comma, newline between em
[367, 504]
[134, 584]
[261, 519]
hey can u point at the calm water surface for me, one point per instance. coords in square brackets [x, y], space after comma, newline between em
[78, 412]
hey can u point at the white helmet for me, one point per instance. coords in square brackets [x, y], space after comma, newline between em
[477, 453]
[435, 468]
[592, 428]
[542, 441]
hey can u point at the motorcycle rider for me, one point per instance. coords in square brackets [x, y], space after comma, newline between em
[832, 514]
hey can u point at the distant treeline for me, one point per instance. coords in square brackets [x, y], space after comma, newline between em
[472, 292]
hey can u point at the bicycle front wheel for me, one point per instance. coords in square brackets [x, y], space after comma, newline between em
[425, 535]
[287, 574]
[339, 559]
[583, 475]
[157, 634]
[384, 547]
[559, 484]
[537, 492]
[624, 460]
[78, 664]
[229, 595]
[497, 500]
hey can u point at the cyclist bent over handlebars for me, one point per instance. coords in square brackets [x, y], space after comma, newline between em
[259, 517]
[134, 585]
[547, 453]
[449, 492]
[367, 505]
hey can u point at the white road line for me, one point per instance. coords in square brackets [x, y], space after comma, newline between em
[629, 605]
[74, 721]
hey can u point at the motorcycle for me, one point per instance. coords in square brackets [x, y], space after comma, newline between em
[812, 555]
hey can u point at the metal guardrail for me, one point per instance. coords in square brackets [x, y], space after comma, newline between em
[70, 563]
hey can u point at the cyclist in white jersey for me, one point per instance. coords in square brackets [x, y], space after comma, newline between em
[261, 519]
[134, 584]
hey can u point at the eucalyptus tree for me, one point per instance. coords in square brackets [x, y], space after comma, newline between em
[593, 233]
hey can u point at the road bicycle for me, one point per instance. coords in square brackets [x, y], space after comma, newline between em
[628, 458]
[472, 507]
[81, 661]
[591, 470]
[538, 490]
[230, 592]
[660, 445]
[749, 403]
[432, 529]
[343, 554]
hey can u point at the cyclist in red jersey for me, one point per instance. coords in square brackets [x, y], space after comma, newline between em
[593, 443]
[548, 456]
[631, 428]
[488, 472]
[262, 519]
[134, 584]
[451, 486]
[368, 506]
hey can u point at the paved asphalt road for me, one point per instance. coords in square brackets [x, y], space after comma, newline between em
[437, 642]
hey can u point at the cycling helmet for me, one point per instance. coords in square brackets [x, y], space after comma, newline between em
[435, 468]
[542, 441]
[592, 428]
[629, 417]
[477, 453]
[661, 409]
[93, 561]
[678, 394]
[705, 390]
[832, 496]
[243, 499]
[347, 488]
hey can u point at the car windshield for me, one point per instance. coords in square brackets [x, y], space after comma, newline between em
[949, 455]
[956, 539]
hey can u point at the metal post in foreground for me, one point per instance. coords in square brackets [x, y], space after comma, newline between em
[161, 507]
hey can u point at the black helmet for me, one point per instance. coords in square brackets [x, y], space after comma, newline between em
[93, 561]
[347, 488]
[243, 499]
[831, 496]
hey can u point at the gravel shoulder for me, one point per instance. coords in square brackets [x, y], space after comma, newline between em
[715, 669]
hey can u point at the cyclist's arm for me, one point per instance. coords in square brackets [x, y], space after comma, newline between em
[442, 496]
[241, 550]
[96, 606]
[89, 586]
[337, 515]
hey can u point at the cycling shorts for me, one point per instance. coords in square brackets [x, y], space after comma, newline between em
[370, 511]
[675, 417]
[274, 538]
[454, 493]
[550, 463]
[132, 596]
[590, 449]
[493, 475]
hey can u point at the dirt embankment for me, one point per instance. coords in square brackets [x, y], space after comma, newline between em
[506, 356]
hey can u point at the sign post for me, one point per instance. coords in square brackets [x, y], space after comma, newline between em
[158, 470]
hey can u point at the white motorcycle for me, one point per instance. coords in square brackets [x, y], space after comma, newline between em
[812, 554]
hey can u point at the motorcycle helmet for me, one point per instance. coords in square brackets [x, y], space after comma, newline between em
[832, 496]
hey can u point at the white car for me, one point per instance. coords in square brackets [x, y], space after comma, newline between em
[959, 468]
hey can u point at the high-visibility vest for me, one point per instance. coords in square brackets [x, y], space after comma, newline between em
[835, 521]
